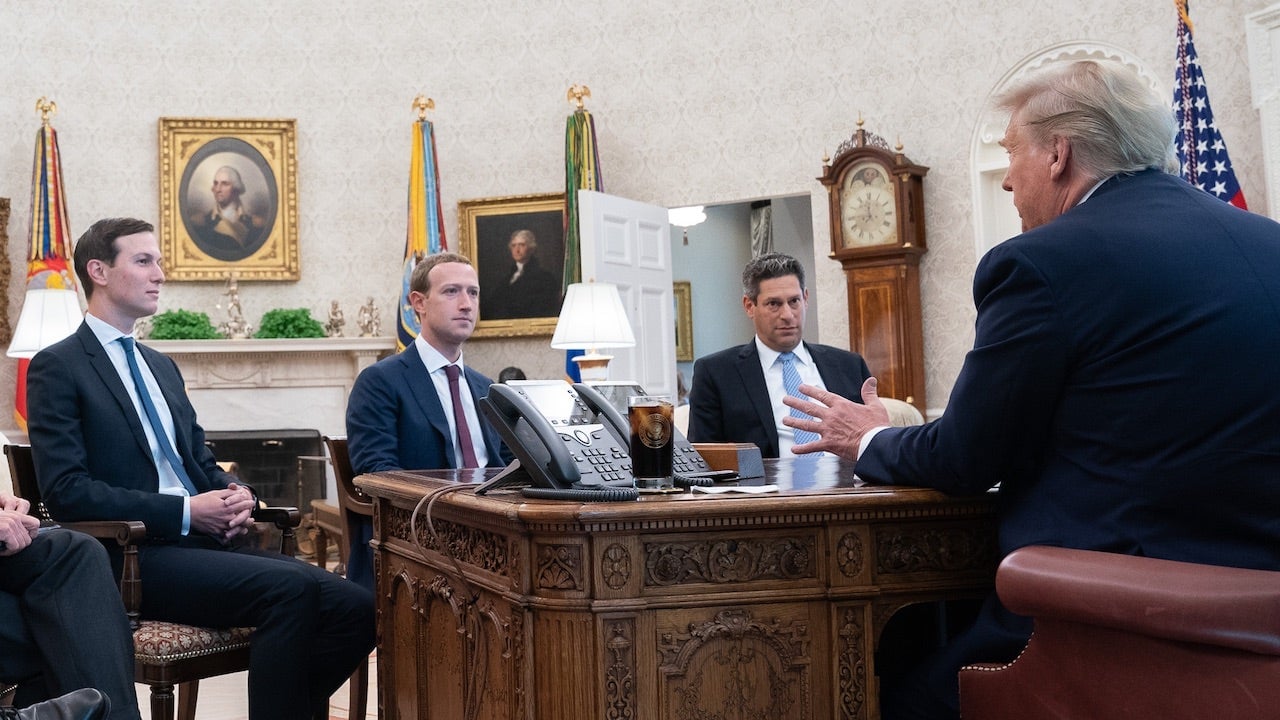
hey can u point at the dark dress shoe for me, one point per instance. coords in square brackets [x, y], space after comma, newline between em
[86, 704]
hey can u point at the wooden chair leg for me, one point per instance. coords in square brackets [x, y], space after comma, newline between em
[162, 705]
[188, 694]
[321, 542]
[359, 692]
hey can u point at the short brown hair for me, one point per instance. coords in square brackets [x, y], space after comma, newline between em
[420, 281]
[99, 243]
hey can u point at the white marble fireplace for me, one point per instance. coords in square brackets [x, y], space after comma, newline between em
[277, 384]
[273, 384]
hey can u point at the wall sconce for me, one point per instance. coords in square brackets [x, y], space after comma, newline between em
[686, 217]
[48, 315]
[592, 317]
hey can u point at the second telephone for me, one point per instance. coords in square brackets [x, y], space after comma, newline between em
[570, 440]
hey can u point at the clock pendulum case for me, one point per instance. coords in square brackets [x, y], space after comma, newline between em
[877, 235]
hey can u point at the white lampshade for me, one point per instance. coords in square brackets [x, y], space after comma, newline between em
[48, 315]
[592, 317]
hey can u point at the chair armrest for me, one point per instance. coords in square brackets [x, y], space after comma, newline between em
[1228, 607]
[122, 532]
[282, 517]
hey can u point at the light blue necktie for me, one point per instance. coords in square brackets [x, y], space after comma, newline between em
[153, 417]
[791, 383]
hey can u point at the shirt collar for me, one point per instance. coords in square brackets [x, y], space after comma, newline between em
[769, 356]
[104, 331]
[432, 358]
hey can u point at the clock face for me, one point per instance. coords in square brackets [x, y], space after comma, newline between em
[868, 211]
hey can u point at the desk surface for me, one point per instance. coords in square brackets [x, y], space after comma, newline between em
[670, 606]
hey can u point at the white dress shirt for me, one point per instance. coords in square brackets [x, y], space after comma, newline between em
[109, 336]
[434, 363]
[772, 368]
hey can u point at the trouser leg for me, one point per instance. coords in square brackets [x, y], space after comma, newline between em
[70, 602]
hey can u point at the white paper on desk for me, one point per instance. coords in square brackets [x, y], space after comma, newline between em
[722, 489]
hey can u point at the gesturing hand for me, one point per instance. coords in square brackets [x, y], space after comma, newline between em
[840, 423]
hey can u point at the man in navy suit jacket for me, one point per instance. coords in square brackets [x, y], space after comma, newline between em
[400, 414]
[737, 393]
[1122, 385]
[99, 457]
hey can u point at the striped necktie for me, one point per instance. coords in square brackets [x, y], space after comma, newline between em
[791, 383]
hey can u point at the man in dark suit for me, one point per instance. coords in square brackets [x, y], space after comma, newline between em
[1121, 387]
[58, 601]
[114, 437]
[402, 412]
[737, 393]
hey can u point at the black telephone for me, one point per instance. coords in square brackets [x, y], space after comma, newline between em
[570, 440]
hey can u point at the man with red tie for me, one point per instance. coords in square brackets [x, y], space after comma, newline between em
[418, 410]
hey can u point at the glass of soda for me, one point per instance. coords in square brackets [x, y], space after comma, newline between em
[652, 429]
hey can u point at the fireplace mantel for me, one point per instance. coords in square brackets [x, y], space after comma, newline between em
[273, 384]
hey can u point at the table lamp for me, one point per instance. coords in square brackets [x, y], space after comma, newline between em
[591, 318]
[48, 315]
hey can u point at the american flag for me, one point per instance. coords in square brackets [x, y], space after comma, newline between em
[1202, 154]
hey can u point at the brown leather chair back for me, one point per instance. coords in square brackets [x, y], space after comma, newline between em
[1118, 636]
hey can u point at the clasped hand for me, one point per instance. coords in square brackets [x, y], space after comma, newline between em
[17, 527]
[223, 514]
[839, 422]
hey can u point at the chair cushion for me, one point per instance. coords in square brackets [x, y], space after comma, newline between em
[158, 643]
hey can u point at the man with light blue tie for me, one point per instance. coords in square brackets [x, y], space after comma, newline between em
[114, 437]
[737, 393]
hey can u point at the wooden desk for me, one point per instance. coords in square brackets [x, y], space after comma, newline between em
[675, 606]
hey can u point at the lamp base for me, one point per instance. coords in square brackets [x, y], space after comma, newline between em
[593, 366]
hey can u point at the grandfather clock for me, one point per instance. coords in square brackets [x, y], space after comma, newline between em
[877, 234]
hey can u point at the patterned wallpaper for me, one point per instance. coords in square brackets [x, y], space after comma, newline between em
[696, 102]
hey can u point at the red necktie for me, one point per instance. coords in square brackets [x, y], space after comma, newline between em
[460, 419]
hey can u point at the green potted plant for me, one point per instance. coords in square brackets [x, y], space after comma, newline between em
[289, 323]
[182, 325]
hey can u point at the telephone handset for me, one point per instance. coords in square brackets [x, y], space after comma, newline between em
[559, 442]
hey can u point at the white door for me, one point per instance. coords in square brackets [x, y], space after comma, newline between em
[628, 243]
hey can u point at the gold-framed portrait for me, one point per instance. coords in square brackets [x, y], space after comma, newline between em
[683, 294]
[517, 246]
[229, 199]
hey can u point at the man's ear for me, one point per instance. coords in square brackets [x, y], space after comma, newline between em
[97, 271]
[748, 305]
[1061, 157]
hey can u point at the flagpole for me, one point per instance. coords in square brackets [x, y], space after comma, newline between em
[424, 233]
[581, 172]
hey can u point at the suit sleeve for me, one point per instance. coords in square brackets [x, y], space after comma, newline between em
[706, 415]
[372, 422]
[62, 409]
[1000, 414]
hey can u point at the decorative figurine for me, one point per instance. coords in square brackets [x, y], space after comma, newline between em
[234, 327]
[370, 324]
[333, 328]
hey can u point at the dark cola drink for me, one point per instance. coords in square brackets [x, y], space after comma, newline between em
[652, 427]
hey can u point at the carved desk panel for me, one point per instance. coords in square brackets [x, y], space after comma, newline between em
[669, 608]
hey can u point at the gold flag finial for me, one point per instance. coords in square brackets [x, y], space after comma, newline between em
[423, 104]
[46, 108]
[576, 94]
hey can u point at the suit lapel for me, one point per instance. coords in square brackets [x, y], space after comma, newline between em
[755, 388]
[480, 388]
[101, 364]
[833, 380]
[423, 390]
